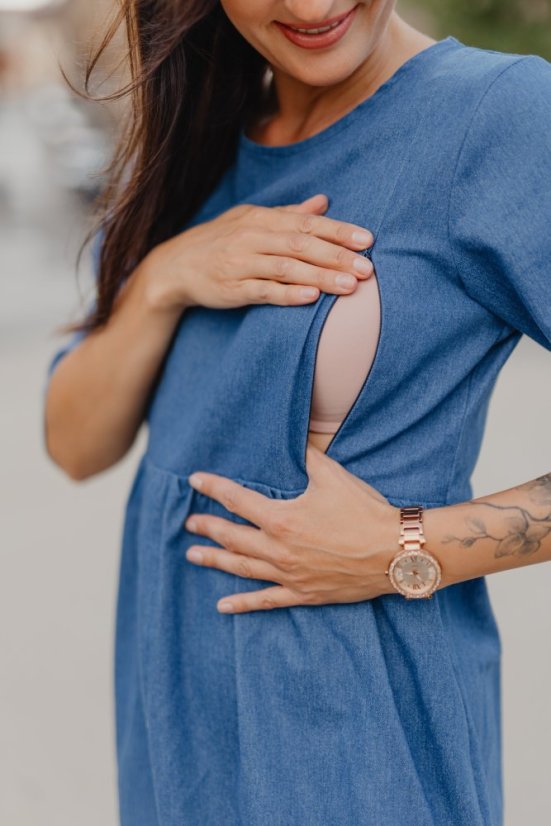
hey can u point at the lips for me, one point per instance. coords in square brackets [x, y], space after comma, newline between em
[317, 35]
[331, 21]
[315, 30]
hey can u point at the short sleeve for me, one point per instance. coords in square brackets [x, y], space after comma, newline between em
[77, 336]
[500, 200]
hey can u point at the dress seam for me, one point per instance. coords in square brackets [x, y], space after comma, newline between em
[482, 807]
[468, 129]
[504, 326]
[181, 478]
[460, 432]
[466, 408]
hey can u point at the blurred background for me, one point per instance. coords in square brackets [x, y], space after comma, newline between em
[60, 540]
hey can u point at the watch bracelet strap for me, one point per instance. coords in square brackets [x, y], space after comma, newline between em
[412, 537]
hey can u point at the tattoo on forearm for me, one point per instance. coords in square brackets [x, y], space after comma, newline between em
[539, 490]
[524, 530]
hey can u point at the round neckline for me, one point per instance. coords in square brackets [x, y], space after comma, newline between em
[249, 145]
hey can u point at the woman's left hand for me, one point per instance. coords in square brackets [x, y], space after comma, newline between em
[331, 544]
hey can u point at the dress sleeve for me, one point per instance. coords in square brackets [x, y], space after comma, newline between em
[500, 200]
[77, 336]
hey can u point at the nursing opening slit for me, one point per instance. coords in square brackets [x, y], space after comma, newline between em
[345, 353]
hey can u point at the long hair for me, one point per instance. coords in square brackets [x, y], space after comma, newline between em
[194, 81]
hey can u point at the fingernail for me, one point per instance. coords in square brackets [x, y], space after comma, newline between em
[191, 524]
[225, 607]
[344, 280]
[363, 265]
[194, 555]
[195, 481]
[363, 236]
[309, 292]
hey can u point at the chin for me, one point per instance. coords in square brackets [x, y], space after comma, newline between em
[315, 71]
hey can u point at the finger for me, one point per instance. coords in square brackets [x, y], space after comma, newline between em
[316, 203]
[241, 539]
[236, 498]
[232, 563]
[294, 271]
[314, 250]
[319, 462]
[343, 233]
[256, 291]
[263, 600]
[263, 291]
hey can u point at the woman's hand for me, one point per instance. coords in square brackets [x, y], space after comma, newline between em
[331, 544]
[259, 255]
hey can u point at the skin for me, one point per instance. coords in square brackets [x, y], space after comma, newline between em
[317, 87]
[250, 254]
[334, 543]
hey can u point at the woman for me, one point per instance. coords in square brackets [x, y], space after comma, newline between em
[347, 702]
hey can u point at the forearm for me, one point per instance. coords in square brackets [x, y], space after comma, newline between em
[97, 394]
[504, 530]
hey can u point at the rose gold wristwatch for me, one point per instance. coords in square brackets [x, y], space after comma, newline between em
[413, 572]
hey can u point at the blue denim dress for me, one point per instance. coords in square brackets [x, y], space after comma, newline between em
[380, 712]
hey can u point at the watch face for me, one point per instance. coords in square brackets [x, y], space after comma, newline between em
[415, 573]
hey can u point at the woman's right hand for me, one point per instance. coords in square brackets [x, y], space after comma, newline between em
[252, 254]
[248, 255]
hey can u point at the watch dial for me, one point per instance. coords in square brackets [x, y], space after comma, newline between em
[416, 574]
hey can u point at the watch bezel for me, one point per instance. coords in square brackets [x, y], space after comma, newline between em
[409, 553]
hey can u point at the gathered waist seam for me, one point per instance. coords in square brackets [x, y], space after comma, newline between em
[182, 477]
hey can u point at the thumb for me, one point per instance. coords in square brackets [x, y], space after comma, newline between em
[319, 466]
[316, 203]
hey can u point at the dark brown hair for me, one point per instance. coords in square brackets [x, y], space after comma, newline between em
[194, 82]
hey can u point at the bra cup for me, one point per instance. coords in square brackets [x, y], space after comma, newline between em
[346, 350]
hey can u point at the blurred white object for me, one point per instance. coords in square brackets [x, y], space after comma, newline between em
[29, 5]
[23, 172]
[76, 149]
[48, 145]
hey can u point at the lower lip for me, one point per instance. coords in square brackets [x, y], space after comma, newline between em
[318, 41]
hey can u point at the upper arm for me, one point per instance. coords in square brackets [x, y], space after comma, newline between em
[76, 337]
[500, 200]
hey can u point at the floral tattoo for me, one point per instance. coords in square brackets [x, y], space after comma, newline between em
[524, 530]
